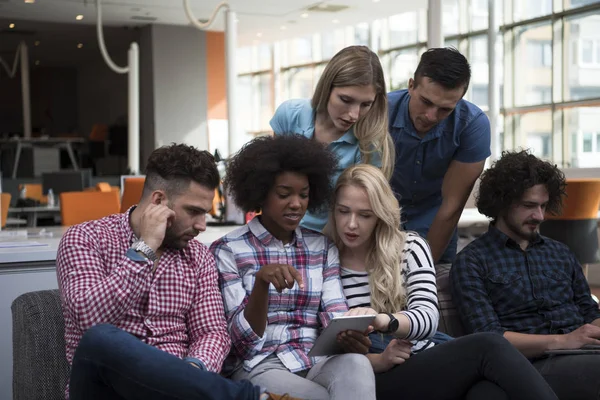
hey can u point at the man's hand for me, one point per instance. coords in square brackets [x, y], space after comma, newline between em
[155, 220]
[282, 276]
[354, 341]
[586, 334]
[396, 352]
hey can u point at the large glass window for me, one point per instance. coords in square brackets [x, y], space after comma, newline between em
[582, 126]
[533, 64]
[331, 43]
[450, 17]
[404, 64]
[526, 9]
[403, 29]
[298, 51]
[534, 132]
[299, 82]
[582, 39]
[578, 3]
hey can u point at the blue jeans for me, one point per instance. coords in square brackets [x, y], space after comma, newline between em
[110, 363]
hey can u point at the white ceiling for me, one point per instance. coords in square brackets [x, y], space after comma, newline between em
[254, 16]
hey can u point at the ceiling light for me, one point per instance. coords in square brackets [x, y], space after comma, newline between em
[304, 15]
[30, 1]
[283, 27]
[322, 5]
[375, 1]
[336, 21]
[259, 34]
[79, 45]
[36, 43]
[237, 20]
[11, 26]
[79, 17]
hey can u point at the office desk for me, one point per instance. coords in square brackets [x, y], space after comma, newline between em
[31, 213]
[20, 143]
[28, 269]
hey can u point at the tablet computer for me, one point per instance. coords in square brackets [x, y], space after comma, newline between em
[327, 345]
[587, 349]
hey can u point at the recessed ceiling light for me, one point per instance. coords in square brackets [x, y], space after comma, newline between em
[79, 17]
[30, 1]
[259, 34]
[375, 1]
[304, 15]
[36, 43]
[79, 45]
[11, 26]
[336, 21]
[237, 20]
[37, 62]
[283, 27]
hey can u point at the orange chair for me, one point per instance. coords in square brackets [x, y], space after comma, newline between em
[78, 207]
[5, 203]
[577, 226]
[34, 191]
[132, 192]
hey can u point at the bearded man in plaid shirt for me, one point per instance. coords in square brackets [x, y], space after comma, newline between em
[143, 313]
[525, 286]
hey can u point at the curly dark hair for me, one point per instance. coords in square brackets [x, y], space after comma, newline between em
[508, 179]
[252, 171]
[172, 168]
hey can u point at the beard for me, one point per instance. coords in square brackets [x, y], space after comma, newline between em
[523, 230]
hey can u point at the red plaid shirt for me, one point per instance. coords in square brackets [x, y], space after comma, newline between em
[178, 308]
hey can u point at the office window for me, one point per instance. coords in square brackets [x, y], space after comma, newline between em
[479, 14]
[577, 3]
[540, 53]
[450, 17]
[299, 83]
[361, 34]
[587, 142]
[403, 67]
[298, 51]
[244, 60]
[581, 124]
[526, 9]
[331, 43]
[533, 132]
[478, 56]
[532, 62]
[403, 29]
[582, 75]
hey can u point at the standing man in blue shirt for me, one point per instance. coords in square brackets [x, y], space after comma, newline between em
[441, 144]
[527, 287]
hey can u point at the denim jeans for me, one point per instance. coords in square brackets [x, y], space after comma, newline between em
[110, 363]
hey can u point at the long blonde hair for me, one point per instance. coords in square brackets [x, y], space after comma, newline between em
[359, 66]
[385, 257]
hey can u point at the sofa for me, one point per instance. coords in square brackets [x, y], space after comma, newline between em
[40, 368]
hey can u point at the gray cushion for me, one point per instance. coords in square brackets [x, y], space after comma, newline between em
[40, 368]
[450, 322]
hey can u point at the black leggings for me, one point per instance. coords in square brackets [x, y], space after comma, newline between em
[479, 366]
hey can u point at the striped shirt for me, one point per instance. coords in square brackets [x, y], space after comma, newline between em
[296, 315]
[419, 280]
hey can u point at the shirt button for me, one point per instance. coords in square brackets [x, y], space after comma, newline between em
[418, 162]
[414, 182]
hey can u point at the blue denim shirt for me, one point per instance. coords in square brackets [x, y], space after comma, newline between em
[297, 116]
[422, 163]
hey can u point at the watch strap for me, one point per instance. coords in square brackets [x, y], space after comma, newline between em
[141, 246]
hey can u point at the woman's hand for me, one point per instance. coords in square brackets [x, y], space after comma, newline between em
[354, 341]
[282, 276]
[361, 311]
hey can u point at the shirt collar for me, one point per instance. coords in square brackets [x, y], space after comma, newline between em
[265, 237]
[308, 130]
[126, 225]
[504, 240]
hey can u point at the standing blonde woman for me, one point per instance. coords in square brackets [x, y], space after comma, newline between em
[390, 273]
[348, 114]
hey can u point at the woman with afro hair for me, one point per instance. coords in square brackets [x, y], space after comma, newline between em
[281, 282]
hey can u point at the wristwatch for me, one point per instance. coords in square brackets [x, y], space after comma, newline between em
[392, 326]
[142, 247]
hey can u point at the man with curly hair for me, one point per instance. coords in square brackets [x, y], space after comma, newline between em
[143, 312]
[525, 286]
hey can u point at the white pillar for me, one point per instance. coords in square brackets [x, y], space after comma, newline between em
[25, 90]
[231, 77]
[133, 137]
[494, 86]
[435, 36]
